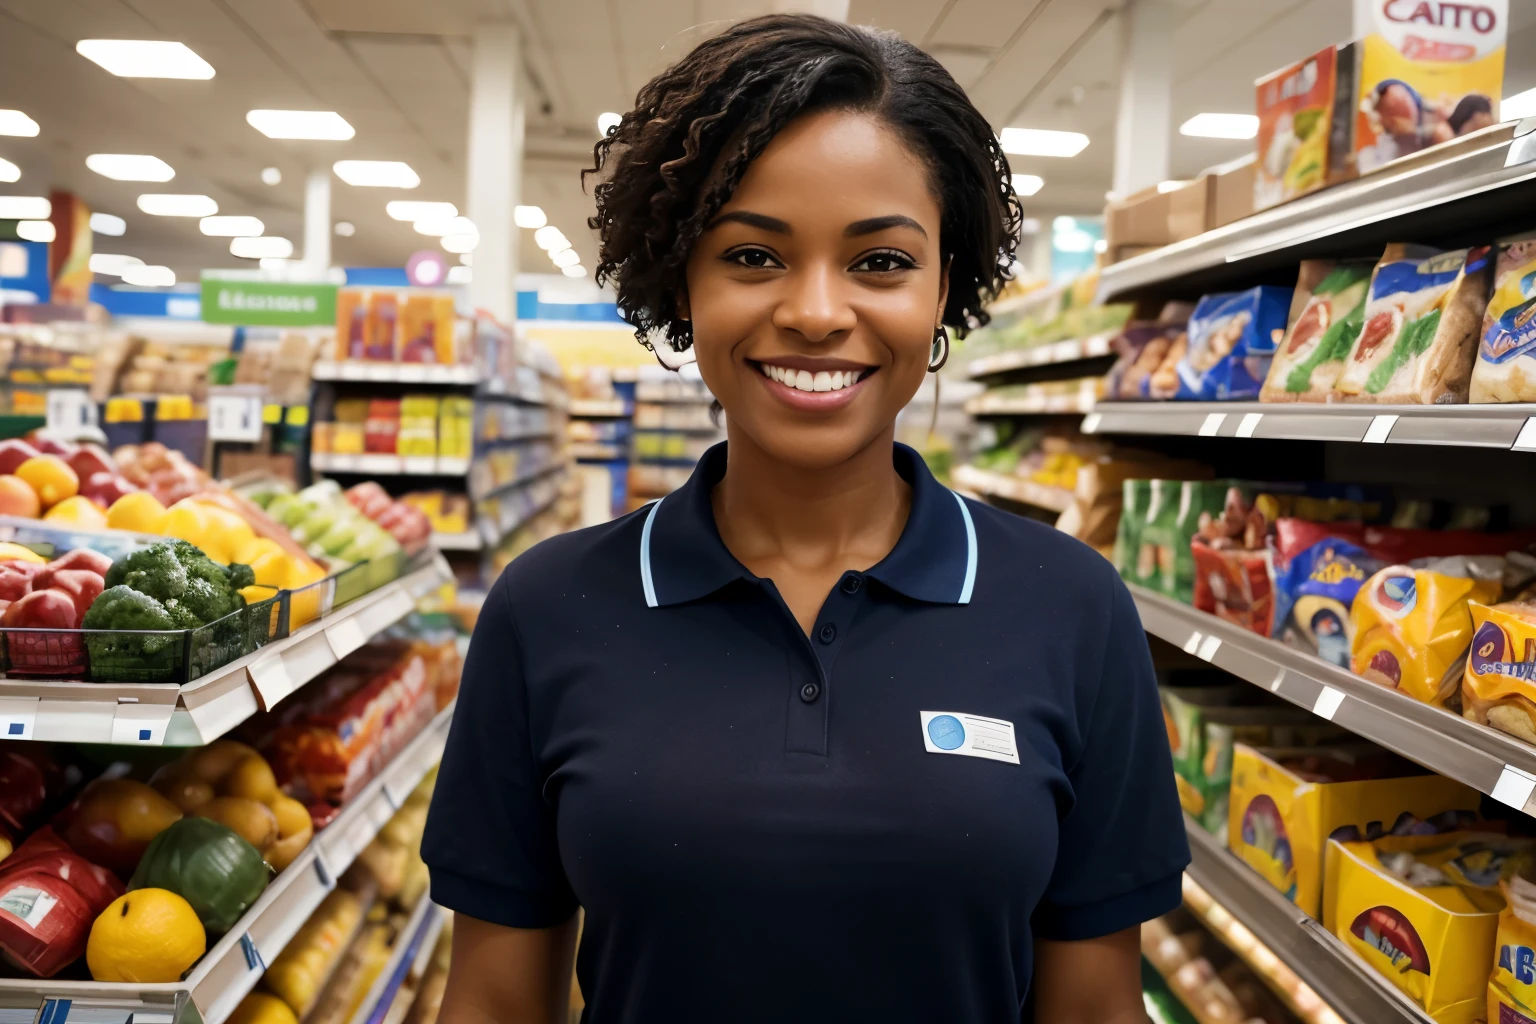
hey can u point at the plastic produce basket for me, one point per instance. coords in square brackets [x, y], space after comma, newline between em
[143, 656]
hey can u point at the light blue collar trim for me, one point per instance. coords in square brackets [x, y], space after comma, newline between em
[970, 551]
[645, 556]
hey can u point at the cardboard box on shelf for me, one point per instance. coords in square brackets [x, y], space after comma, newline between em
[1231, 195]
[1295, 107]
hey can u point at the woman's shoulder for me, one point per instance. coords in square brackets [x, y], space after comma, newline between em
[599, 556]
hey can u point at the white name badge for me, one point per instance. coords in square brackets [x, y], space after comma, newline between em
[952, 732]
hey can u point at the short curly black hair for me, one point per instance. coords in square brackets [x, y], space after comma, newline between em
[724, 102]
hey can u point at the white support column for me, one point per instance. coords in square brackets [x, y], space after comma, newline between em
[1146, 93]
[495, 166]
[317, 223]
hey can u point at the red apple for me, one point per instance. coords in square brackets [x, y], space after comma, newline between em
[90, 459]
[105, 487]
[81, 558]
[50, 445]
[13, 452]
[81, 585]
[43, 609]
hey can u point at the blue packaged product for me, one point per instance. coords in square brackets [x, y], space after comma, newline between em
[1315, 586]
[1232, 338]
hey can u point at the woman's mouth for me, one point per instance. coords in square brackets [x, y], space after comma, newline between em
[813, 390]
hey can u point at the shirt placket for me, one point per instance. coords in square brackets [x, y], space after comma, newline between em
[810, 683]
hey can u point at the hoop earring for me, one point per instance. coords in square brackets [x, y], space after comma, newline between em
[936, 360]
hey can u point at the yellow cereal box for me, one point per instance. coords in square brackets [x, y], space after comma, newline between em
[1423, 911]
[1285, 804]
[1512, 988]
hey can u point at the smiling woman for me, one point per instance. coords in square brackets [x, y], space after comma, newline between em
[741, 776]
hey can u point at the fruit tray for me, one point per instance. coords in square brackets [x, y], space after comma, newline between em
[143, 656]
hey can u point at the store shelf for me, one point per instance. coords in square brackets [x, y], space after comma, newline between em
[1510, 427]
[597, 450]
[236, 962]
[389, 465]
[525, 477]
[1490, 761]
[395, 373]
[1467, 193]
[469, 540]
[1350, 987]
[208, 707]
[1069, 351]
[989, 404]
[598, 407]
[407, 959]
[982, 481]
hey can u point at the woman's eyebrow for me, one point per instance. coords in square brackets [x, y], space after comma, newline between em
[870, 225]
[756, 220]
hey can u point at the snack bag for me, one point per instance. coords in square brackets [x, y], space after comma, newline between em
[1310, 356]
[1505, 370]
[1142, 348]
[383, 326]
[1231, 339]
[1163, 382]
[1317, 571]
[1512, 988]
[351, 323]
[1174, 511]
[1231, 561]
[1423, 74]
[1412, 626]
[1295, 105]
[1421, 327]
[1499, 685]
[1423, 911]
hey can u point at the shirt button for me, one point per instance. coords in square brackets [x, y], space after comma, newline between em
[809, 692]
[828, 633]
[851, 584]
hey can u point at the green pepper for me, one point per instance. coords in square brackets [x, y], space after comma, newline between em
[208, 865]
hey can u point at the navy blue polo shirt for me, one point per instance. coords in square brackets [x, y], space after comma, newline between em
[870, 823]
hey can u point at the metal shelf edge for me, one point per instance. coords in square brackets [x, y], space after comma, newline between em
[1489, 761]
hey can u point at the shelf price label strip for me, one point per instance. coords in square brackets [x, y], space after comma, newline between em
[1483, 758]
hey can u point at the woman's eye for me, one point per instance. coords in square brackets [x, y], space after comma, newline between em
[884, 263]
[757, 259]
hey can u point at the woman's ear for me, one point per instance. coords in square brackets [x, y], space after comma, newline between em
[682, 305]
[938, 316]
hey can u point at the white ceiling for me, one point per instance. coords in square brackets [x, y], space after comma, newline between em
[398, 71]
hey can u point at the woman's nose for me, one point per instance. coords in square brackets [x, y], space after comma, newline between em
[814, 304]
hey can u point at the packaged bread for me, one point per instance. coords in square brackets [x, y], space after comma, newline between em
[1505, 370]
[1499, 685]
[1422, 321]
[1331, 297]
[1164, 381]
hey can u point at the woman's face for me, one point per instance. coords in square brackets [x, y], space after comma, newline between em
[815, 291]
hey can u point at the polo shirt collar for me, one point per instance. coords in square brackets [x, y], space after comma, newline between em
[682, 557]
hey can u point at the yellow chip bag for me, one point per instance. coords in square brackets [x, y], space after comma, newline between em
[1512, 987]
[1411, 627]
[1499, 685]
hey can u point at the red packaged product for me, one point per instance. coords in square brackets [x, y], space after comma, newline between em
[49, 898]
[30, 780]
[1231, 557]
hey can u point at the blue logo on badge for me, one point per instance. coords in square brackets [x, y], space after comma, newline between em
[946, 732]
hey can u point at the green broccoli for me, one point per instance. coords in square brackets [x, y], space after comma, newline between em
[240, 575]
[123, 607]
[210, 601]
[182, 615]
[154, 570]
[212, 589]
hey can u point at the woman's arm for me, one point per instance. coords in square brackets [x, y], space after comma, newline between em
[1094, 981]
[503, 975]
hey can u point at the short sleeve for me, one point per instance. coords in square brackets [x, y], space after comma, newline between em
[490, 837]
[1122, 849]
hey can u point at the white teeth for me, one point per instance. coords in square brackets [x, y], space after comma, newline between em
[804, 380]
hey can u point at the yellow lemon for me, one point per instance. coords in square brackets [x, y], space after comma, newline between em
[145, 937]
[232, 531]
[16, 553]
[77, 511]
[189, 521]
[254, 548]
[139, 511]
[271, 567]
[262, 1008]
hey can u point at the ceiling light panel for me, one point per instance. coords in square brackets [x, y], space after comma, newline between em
[345, 228]
[1221, 126]
[25, 208]
[325, 125]
[461, 243]
[376, 173]
[550, 239]
[265, 247]
[8, 171]
[1027, 184]
[460, 275]
[574, 270]
[231, 227]
[529, 217]
[108, 224]
[152, 276]
[36, 230]
[168, 204]
[565, 258]
[113, 263]
[145, 58]
[1040, 142]
[447, 226]
[271, 176]
[418, 210]
[14, 122]
[130, 167]
[1518, 106]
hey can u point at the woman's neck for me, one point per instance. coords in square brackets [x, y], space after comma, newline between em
[774, 516]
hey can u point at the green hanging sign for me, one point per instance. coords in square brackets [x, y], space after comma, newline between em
[268, 303]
